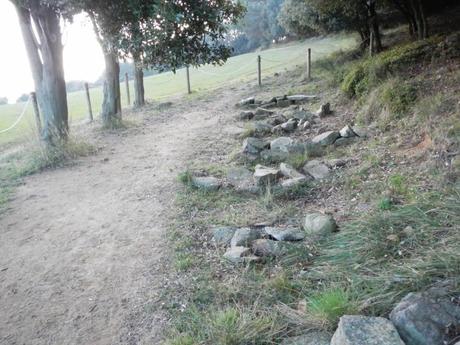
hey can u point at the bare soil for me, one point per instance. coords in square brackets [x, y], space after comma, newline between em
[84, 247]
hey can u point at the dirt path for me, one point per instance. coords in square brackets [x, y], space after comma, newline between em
[82, 248]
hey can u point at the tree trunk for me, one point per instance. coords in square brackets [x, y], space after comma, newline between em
[374, 28]
[111, 104]
[420, 19]
[45, 54]
[139, 94]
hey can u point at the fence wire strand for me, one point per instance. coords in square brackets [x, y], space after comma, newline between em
[18, 119]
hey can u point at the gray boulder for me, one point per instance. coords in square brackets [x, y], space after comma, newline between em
[223, 235]
[289, 171]
[253, 146]
[242, 180]
[244, 237]
[283, 103]
[265, 175]
[424, 318]
[347, 132]
[208, 183]
[281, 143]
[324, 110]
[261, 128]
[239, 255]
[318, 224]
[285, 234]
[313, 338]
[318, 170]
[246, 101]
[274, 156]
[326, 138]
[362, 330]
[360, 132]
[289, 126]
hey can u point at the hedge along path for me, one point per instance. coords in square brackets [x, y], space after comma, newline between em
[83, 247]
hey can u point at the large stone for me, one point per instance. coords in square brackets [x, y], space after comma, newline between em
[362, 330]
[424, 318]
[244, 237]
[281, 143]
[289, 126]
[223, 235]
[317, 170]
[253, 146]
[347, 132]
[324, 110]
[285, 234]
[289, 171]
[239, 255]
[298, 99]
[318, 224]
[265, 175]
[313, 338]
[326, 138]
[246, 101]
[264, 247]
[242, 180]
[208, 183]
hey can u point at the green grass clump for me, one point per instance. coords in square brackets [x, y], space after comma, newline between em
[185, 177]
[326, 307]
[399, 97]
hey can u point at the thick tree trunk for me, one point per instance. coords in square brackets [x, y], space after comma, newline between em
[374, 28]
[46, 61]
[111, 104]
[139, 94]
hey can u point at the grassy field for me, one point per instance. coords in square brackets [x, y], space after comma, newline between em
[239, 68]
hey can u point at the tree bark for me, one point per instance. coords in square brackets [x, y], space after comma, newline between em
[45, 54]
[374, 27]
[111, 104]
[421, 25]
[139, 93]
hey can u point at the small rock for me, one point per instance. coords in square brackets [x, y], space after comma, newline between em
[318, 170]
[263, 247]
[244, 237]
[313, 338]
[253, 146]
[223, 235]
[261, 128]
[238, 255]
[276, 120]
[246, 115]
[324, 110]
[289, 171]
[289, 126]
[360, 132]
[281, 143]
[326, 138]
[423, 318]
[246, 101]
[362, 330]
[306, 125]
[285, 234]
[297, 99]
[265, 175]
[208, 183]
[347, 132]
[242, 180]
[319, 224]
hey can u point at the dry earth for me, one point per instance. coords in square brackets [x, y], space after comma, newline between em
[83, 248]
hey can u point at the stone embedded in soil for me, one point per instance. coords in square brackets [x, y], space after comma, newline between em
[319, 224]
[208, 183]
[363, 330]
[261, 128]
[262, 113]
[317, 170]
[253, 146]
[297, 99]
[326, 138]
[289, 171]
[360, 132]
[246, 101]
[324, 110]
[265, 175]
[283, 103]
[276, 120]
[240, 254]
[312, 338]
[345, 141]
[281, 143]
[264, 247]
[285, 234]
[223, 235]
[244, 237]
[289, 126]
[242, 180]
[423, 318]
[347, 132]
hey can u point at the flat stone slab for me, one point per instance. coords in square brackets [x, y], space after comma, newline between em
[246, 101]
[246, 115]
[326, 138]
[362, 330]
[285, 234]
[317, 170]
[265, 175]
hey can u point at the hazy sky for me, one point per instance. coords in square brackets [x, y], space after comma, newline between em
[82, 56]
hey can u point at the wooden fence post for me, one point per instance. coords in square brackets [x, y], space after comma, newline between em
[189, 89]
[88, 102]
[33, 98]
[309, 64]
[127, 88]
[259, 69]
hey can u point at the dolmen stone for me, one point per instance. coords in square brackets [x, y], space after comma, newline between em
[363, 330]
[347, 132]
[319, 224]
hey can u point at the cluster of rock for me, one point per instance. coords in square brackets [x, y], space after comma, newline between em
[253, 244]
[429, 318]
[277, 101]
